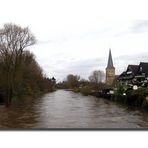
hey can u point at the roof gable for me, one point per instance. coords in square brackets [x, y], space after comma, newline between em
[133, 68]
[143, 67]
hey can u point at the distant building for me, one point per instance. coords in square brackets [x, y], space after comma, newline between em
[110, 70]
[135, 75]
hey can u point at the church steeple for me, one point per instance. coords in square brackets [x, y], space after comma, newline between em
[110, 61]
[110, 70]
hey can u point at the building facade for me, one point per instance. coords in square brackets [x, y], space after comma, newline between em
[135, 75]
[110, 70]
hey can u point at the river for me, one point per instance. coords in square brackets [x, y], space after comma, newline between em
[66, 109]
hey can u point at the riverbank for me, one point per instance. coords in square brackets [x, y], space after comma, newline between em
[137, 98]
[24, 99]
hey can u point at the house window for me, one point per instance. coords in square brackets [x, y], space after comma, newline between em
[140, 69]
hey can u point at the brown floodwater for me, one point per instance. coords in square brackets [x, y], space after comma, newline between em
[66, 109]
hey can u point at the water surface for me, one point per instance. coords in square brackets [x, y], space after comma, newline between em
[66, 109]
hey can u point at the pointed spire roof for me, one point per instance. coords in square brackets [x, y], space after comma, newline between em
[110, 61]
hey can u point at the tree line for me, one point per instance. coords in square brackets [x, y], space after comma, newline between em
[20, 74]
[95, 82]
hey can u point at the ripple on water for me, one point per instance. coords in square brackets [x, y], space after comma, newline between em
[65, 109]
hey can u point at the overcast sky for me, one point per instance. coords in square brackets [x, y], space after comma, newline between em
[74, 36]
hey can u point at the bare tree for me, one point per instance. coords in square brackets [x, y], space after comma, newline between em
[72, 80]
[96, 76]
[13, 40]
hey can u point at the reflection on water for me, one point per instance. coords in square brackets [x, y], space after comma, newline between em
[65, 109]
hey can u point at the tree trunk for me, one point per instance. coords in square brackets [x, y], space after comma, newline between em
[9, 91]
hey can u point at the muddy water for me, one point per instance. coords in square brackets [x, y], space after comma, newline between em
[65, 109]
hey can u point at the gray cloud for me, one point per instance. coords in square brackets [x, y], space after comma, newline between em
[140, 26]
[122, 62]
[61, 65]
[71, 35]
[44, 41]
[60, 68]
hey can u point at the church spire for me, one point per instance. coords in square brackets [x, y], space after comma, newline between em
[110, 61]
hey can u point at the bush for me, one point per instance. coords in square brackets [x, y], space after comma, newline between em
[86, 90]
[132, 97]
[137, 97]
[118, 94]
[76, 90]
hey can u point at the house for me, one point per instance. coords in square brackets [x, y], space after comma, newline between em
[135, 75]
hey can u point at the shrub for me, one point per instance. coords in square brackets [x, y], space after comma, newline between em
[86, 90]
[137, 97]
[76, 90]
